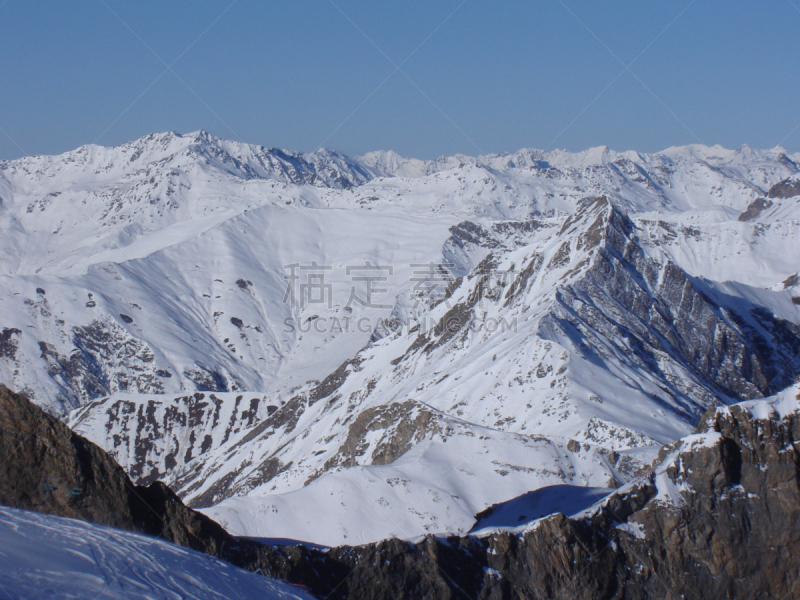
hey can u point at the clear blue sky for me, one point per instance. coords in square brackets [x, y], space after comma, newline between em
[483, 77]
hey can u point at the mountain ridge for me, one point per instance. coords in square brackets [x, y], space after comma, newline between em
[522, 158]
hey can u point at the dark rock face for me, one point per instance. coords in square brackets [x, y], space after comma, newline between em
[755, 208]
[8, 342]
[207, 380]
[470, 242]
[157, 437]
[654, 310]
[787, 188]
[47, 468]
[104, 359]
[467, 232]
[408, 422]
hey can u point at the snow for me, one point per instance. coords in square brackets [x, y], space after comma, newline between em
[188, 210]
[44, 556]
[436, 487]
[708, 439]
[775, 407]
[633, 528]
[521, 511]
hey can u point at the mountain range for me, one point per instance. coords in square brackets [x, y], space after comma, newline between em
[396, 344]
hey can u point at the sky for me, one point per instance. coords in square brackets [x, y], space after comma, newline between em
[422, 78]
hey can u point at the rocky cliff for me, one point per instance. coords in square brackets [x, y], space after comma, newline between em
[48, 468]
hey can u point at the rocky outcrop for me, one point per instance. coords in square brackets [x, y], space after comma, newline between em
[48, 468]
[399, 426]
[86, 361]
[157, 436]
[788, 188]
[754, 209]
[8, 342]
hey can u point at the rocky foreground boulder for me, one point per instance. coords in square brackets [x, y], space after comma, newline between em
[718, 516]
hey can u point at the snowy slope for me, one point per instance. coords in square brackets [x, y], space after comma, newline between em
[43, 556]
[524, 513]
[597, 303]
[437, 486]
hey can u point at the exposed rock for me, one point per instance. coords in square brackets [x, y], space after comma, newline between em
[156, 437]
[333, 381]
[402, 425]
[8, 342]
[788, 188]
[208, 380]
[657, 310]
[755, 208]
[101, 359]
[48, 468]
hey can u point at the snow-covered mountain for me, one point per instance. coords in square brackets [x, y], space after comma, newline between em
[485, 326]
